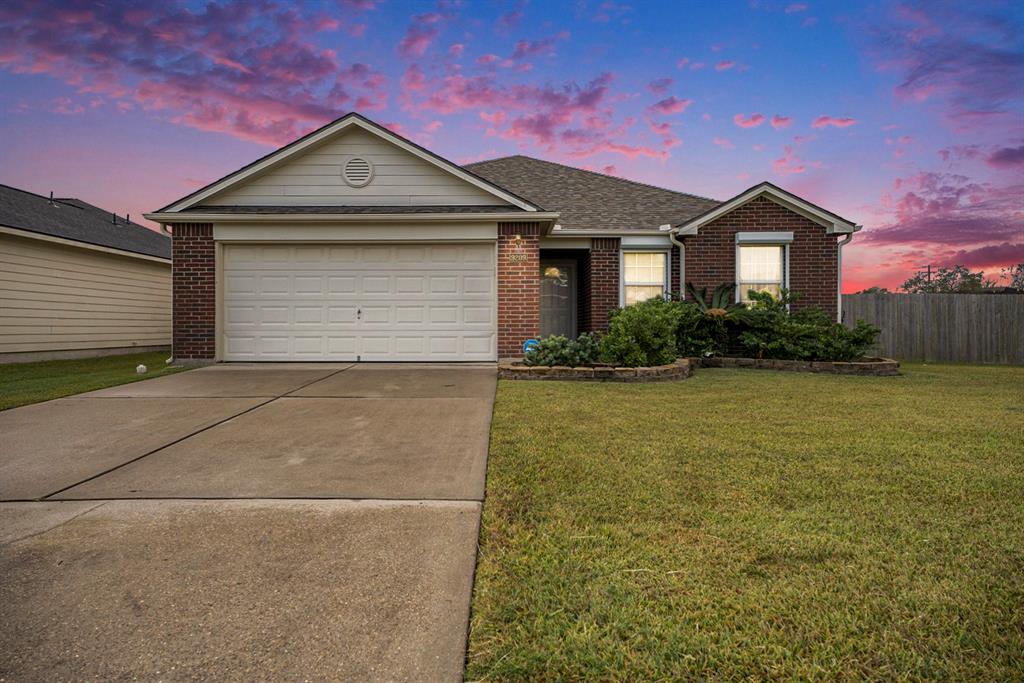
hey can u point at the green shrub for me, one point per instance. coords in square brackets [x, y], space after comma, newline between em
[769, 330]
[643, 334]
[697, 334]
[558, 350]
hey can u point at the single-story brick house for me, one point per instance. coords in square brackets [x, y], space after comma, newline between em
[353, 243]
[78, 281]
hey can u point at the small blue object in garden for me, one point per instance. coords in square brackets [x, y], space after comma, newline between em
[529, 344]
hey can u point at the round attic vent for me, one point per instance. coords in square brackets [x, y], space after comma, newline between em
[357, 171]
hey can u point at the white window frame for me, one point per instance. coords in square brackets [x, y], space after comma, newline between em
[762, 239]
[666, 285]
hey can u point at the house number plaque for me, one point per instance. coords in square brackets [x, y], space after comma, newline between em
[517, 257]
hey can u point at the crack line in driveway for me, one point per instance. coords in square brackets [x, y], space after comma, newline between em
[55, 526]
[187, 436]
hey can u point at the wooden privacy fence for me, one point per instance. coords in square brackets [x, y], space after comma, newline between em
[954, 328]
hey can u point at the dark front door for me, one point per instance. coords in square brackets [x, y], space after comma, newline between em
[558, 298]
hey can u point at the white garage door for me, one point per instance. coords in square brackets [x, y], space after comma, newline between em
[395, 302]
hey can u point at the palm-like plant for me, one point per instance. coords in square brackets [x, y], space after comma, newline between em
[722, 301]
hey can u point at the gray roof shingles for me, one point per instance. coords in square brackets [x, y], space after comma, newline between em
[591, 201]
[73, 219]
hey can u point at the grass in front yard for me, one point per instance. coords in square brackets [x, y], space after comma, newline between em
[24, 383]
[755, 525]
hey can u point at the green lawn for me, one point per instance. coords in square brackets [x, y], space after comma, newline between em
[755, 525]
[24, 383]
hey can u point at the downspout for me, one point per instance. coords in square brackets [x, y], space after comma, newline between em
[682, 261]
[839, 276]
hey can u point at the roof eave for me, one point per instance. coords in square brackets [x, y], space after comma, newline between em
[833, 224]
[173, 217]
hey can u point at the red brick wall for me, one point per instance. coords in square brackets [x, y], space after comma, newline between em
[813, 254]
[518, 286]
[603, 277]
[193, 276]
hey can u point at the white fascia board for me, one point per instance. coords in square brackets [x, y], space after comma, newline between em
[641, 241]
[355, 232]
[771, 237]
[328, 131]
[213, 217]
[791, 202]
[28, 234]
[561, 232]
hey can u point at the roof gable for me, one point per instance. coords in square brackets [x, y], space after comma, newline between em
[591, 201]
[309, 171]
[832, 223]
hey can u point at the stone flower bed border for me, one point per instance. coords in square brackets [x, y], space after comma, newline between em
[877, 367]
[684, 367]
[681, 369]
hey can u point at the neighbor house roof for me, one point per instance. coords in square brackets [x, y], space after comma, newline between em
[591, 201]
[78, 221]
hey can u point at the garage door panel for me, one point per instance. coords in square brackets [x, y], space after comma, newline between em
[375, 302]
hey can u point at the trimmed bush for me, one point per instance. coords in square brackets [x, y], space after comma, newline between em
[769, 330]
[643, 334]
[558, 350]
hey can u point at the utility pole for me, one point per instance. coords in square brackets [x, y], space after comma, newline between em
[928, 271]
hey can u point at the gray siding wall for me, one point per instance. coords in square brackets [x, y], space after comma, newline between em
[64, 298]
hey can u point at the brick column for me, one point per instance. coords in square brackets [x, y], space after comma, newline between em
[518, 286]
[604, 281]
[194, 284]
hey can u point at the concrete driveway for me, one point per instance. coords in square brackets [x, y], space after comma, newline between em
[245, 521]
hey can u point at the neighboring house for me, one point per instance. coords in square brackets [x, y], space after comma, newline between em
[77, 281]
[353, 243]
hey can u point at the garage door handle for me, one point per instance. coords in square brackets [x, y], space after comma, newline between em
[359, 314]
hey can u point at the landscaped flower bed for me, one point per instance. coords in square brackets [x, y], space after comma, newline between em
[644, 340]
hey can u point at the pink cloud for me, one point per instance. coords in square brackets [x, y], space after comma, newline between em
[697, 66]
[753, 121]
[670, 105]
[838, 122]
[508, 21]
[239, 68]
[660, 85]
[724, 143]
[725, 65]
[456, 49]
[796, 7]
[422, 30]
[683, 61]
[66, 106]
[533, 48]
[779, 122]
[789, 163]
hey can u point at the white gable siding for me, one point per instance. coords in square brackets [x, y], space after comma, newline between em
[314, 178]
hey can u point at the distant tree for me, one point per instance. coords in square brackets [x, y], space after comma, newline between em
[956, 279]
[874, 290]
[1015, 275]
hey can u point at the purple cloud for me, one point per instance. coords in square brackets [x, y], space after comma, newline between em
[1007, 157]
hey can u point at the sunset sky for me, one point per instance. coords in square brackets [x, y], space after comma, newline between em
[905, 117]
